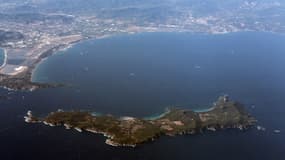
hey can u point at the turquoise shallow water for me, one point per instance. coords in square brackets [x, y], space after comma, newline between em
[141, 75]
[157, 116]
[2, 56]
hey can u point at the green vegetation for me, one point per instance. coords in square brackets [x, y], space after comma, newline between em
[129, 131]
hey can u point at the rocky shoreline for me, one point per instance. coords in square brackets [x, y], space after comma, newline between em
[130, 132]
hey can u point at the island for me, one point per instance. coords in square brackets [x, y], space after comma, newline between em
[130, 131]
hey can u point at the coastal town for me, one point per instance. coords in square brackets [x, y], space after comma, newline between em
[29, 37]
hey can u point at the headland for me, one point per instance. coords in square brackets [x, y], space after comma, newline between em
[16, 72]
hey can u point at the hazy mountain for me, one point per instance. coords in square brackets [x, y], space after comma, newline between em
[199, 6]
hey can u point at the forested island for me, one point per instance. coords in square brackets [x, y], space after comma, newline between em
[130, 131]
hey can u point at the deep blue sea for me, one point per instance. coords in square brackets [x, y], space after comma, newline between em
[140, 75]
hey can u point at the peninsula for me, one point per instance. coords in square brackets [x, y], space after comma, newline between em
[16, 72]
[130, 131]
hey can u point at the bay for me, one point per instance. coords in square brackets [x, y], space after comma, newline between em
[140, 75]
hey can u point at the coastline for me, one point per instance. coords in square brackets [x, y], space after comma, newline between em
[23, 80]
[204, 110]
[5, 58]
[27, 76]
[54, 51]
[158, 116]
[24, 77]
[132, 131]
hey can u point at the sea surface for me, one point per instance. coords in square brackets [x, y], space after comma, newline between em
[2, 57]
[142, 74]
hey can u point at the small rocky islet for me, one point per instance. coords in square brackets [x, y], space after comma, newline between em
[130, 131]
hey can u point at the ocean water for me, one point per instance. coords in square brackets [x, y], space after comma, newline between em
[140, 75]
[2, 56]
